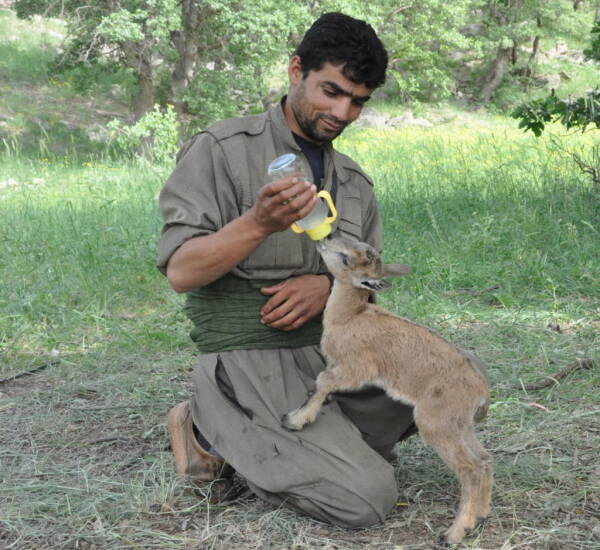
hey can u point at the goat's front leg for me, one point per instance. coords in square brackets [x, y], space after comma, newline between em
[328, 381]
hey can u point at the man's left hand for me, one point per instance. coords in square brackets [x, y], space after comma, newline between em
[294, 301]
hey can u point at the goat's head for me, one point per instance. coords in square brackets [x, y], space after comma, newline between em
[357, 263]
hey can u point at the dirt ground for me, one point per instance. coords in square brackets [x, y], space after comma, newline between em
[85, 464]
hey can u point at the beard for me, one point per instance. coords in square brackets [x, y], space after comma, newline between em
[310, 126]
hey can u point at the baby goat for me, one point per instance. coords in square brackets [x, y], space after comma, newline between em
[367, 345]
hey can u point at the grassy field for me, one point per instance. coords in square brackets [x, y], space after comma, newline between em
[502, 233]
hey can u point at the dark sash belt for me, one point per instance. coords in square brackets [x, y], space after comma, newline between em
[226, 316]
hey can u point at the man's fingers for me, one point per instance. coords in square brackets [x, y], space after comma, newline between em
[276, 311]
[291, 201]
[268, 290]
[272, 189]
[304, 208]
[288, 322]
[274, 302]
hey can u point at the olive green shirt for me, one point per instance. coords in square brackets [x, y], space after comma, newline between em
[217, 178]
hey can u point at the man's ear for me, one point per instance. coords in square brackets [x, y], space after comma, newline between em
[295, 70]
[395, 270]
[376, 285]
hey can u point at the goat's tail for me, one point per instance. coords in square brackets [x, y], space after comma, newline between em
[482, 409]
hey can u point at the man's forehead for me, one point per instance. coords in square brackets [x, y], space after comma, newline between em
[333, 75]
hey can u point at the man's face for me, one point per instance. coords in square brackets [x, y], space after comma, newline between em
[321, 105]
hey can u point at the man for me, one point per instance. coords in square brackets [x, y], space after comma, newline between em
[256, 292]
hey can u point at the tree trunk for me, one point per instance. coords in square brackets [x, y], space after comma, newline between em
[144, 101]
[138, 57]
[535, 48]
[186, 44]
[576, 4]
[494, 77]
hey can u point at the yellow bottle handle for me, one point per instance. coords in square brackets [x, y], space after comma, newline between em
[329, 201]
[324, 194]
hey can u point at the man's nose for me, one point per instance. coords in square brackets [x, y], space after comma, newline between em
[342, 109]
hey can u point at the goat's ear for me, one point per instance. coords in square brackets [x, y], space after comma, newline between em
[377, 285]
[395, 270]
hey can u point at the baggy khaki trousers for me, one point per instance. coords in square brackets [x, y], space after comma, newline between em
[334, 469]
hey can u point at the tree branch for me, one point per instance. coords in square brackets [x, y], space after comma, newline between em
[554, 378]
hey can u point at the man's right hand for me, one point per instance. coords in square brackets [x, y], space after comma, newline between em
[283, 202]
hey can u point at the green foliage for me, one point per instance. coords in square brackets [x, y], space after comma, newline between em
[438, 49]
[421, 39]
[123, 26]
[95, 78]
[27, 8]
[593, 52]
[571, 113]
[159, 127]
[242, 41]
[25, 55]
[217, 94]
[578, 113]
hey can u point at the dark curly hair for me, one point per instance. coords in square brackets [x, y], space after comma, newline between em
[342, 40]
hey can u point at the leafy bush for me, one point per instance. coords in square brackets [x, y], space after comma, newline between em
[216, 94]
[571, 113]
[154, 136]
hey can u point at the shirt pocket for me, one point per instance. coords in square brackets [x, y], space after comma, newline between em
[349, 221]
[280, 252]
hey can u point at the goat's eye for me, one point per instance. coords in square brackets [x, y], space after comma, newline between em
[344, 259]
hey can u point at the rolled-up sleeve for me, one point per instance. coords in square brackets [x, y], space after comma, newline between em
[199, 197]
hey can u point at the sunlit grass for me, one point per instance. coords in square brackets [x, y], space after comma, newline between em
[493, 223]
[27, 46]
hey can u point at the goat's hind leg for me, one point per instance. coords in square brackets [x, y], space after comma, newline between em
[485, 488]
[448, 442]
[328, 381]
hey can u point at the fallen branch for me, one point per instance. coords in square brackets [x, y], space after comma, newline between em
[396, 11]
[554, 378]
[474, 292]
[28, 372]
[108, 440]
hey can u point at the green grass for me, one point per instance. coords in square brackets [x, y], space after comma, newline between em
[26, 47]
[81, 242]
[42, 109]
[502, 234]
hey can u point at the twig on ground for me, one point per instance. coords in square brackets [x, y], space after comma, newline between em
[28, 372]
[474, 292]
[554, 378]
[107, 440]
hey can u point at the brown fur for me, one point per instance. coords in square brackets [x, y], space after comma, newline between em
[367, 345]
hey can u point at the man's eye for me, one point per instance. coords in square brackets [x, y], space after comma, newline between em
[329, 93]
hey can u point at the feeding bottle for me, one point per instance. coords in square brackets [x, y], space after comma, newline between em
[317, 223]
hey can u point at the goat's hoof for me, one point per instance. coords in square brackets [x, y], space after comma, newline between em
[441, 542]
[450, 540]
[287, 423]
[481, 520]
